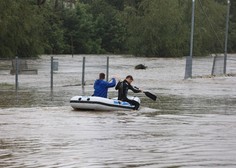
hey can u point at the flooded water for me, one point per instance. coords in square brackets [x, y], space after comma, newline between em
[192, 124]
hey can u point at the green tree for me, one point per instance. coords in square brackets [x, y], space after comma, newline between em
[80, 29]
[109, 26]
[209, 27]
[232, 27]
[156, 28]
[20, 30]
[53, 31]
[117, 4]
[162, 28]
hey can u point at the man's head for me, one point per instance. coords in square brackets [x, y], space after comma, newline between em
[101, 76]
[129, 79]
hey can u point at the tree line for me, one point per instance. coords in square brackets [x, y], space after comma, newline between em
[152, 28]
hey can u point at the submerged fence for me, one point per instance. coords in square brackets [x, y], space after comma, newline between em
[21, 67]
[50, 74]
[213, 66]
[57, 78]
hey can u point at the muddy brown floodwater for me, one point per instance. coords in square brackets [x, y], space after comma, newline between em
[192, 124]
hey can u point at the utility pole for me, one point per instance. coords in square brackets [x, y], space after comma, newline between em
[226, 35]
[188, 66]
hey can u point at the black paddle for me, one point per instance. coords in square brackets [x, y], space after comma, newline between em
[150, 95]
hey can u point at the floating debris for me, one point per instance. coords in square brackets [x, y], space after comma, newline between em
[140, 66]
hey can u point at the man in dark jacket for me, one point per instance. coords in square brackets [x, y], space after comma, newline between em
[123, 88]
[101, 86]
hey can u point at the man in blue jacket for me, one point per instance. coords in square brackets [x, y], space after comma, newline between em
[101, 86]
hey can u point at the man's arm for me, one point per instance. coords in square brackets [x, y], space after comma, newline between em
[134, 89]
[112, 83]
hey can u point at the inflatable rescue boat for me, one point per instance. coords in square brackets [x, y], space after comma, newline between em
[100, 103]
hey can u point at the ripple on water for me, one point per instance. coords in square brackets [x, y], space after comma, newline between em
[48, 137]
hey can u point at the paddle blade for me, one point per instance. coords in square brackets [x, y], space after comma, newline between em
[150, 95]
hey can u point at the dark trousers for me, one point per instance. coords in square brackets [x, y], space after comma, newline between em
[133, 102]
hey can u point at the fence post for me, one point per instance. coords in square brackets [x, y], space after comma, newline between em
[83, 72]
[16, 74]
[213, 66]
[107, 77]
[72, 45]
[51, 74]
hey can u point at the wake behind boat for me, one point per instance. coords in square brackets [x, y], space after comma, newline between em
[100, 103]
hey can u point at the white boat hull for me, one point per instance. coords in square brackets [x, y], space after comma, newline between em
[100, 103]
